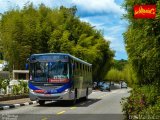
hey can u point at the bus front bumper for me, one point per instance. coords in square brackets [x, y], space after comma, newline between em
[69, 95]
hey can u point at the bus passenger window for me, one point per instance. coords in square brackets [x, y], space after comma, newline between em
[81, 69]
[76, 68]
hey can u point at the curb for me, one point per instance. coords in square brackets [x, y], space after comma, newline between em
[17, 105]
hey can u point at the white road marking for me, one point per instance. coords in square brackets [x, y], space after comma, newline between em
[5, 107]
[73, 108]
[16, 105]
[26, 103]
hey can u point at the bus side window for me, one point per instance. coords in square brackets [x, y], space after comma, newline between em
[88, 69]
[84, 70]
[81, 69]
[73, 68]
[77, 67]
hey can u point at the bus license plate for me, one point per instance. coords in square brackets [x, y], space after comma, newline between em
[47, 94]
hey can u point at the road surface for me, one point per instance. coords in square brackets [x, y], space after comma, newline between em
[100, 106]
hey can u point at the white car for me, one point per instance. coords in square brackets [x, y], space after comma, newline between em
[124, 85]
[1, 67]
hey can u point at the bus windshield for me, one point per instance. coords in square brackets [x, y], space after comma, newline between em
[42, 71]
[58, 70]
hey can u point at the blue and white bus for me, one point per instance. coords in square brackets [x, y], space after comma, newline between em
[58, 76]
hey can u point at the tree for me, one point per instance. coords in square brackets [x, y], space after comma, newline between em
[114, 75]
[42, 30]
[142, 43]
[119, 64]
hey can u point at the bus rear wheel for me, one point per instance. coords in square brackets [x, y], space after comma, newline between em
[41, 102]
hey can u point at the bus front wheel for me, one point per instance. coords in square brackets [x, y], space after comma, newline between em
[73, 102]
[41, 102]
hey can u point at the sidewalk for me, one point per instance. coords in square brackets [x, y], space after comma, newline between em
[15, 103]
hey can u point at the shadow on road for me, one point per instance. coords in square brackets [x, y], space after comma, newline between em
[79, 103]
[116, 86]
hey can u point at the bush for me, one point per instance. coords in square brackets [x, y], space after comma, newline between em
[1, 80]
[152, 112]
[4, 83]
[114, 75]
[24, 86]
[16, 89]
[141, 99]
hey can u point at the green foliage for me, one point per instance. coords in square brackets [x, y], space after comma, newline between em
[126, 74]
[16, 89]
[129, 75]
[21, 88]
[43, 30]
[142, 45]
[1, 81]
[142, 100]
[1, 61]
[152, 112]
[119, 64]
[24, 86]
[142, 41]
[115, 75]
[4, 84]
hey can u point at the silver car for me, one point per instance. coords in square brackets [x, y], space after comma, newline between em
[123, 84]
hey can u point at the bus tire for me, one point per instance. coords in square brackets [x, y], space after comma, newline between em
[41, 102]
[75, 97]
[73, 102]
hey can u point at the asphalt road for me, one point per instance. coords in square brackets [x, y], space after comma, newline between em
[100, 106]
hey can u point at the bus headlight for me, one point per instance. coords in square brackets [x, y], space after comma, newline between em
[30, 90]
[66, 90]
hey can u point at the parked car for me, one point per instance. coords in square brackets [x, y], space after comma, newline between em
[104, 86]
[100, 84]
[124, 84]
[112, 83]
[94, 85]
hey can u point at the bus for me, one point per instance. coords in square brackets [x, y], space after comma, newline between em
[58, 76]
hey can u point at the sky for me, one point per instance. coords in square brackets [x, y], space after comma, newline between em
[104, 15]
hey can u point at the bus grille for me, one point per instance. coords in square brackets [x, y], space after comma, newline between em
[48, 87]
[49, 98]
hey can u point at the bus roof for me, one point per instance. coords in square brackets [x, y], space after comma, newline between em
[73, 57]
